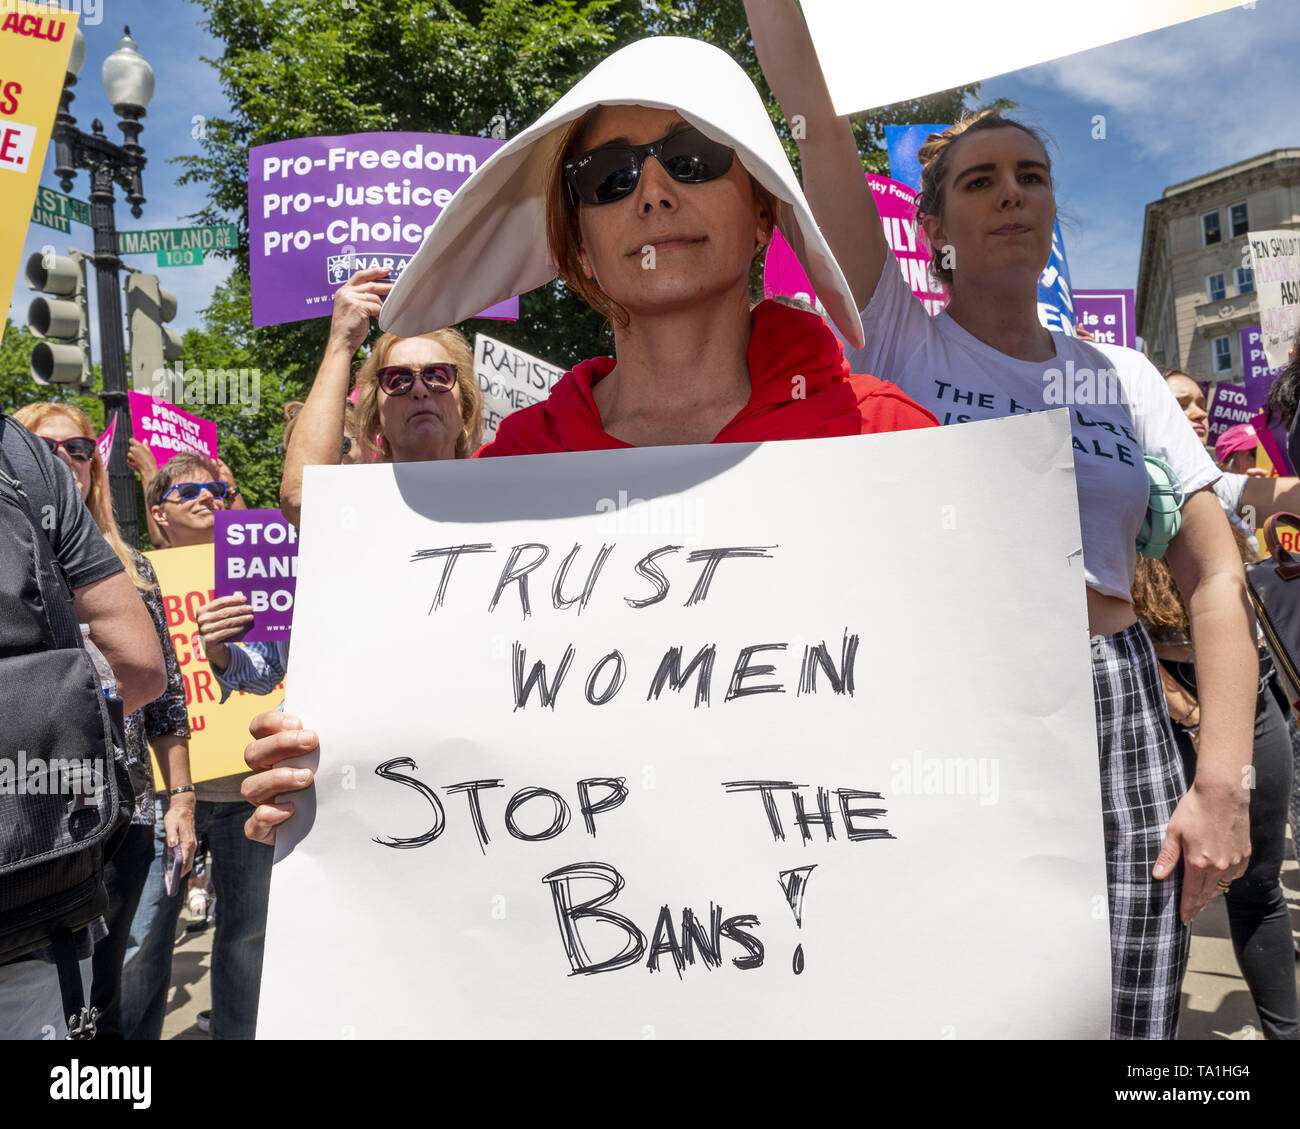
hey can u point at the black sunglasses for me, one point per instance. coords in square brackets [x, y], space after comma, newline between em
[77, 447]
[601, 176]
[398, 381]
[191, 490]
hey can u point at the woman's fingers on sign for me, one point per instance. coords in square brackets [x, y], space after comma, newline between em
[261, 825]
[263, 787]
[277, 737]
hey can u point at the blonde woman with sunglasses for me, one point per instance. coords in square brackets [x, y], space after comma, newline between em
[417, 397]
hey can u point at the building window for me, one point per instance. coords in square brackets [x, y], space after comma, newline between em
[1210, 228]
[1245, 280]
[1214, 286]
[1239, 218]
[1222, 354]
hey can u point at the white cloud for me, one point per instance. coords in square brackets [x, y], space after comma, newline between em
[1199, 95]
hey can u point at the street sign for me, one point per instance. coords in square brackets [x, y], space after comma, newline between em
[53, 209]
[224, 236]
[181, 257]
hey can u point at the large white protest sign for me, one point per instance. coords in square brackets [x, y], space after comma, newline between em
[880, 53]
[792, 739]
[1275, 259]
[510, 379]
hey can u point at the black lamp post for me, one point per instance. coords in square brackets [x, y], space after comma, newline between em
[128, 81]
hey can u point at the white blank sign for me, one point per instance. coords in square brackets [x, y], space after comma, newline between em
[880, 53]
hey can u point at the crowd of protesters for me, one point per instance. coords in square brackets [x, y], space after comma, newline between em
[1185, 694]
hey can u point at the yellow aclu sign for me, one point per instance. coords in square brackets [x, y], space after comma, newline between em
[35, 41]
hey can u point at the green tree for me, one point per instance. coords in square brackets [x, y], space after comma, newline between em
[352, 66]
[251, 421]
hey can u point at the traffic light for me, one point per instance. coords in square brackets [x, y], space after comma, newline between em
[153, 345]
[62, 321]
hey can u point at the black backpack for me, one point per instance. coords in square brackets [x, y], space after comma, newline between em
[65, 800]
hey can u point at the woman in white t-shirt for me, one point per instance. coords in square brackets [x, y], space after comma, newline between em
[988, 210]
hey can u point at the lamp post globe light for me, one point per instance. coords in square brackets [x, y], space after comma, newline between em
[128, 82]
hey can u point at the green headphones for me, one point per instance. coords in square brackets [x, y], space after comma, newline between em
[1164, 509]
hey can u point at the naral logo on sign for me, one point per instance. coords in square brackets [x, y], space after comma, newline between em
[339, 268]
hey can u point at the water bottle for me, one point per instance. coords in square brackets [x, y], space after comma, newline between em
[107, 681]
[108, 686]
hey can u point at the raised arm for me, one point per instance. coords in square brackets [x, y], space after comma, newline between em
[317, 439]
[833, 181]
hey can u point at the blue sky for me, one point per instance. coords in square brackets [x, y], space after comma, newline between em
[1178, 102]
[169, 37]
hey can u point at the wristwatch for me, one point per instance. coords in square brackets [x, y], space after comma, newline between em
[182, 788]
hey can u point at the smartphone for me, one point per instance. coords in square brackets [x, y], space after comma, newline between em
[173, 858]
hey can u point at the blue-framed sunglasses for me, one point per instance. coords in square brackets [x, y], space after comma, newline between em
[191, 490]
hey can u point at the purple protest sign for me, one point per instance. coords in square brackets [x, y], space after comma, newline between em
[1228, 407]
[320, 208]
[257, 558]
[783, 275]
[1108, 315]
[166, 430]
[1259, 377]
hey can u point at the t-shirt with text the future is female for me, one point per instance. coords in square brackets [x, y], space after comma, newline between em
[1120, 408]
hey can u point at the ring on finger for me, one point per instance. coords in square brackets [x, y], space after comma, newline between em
[1224, 886]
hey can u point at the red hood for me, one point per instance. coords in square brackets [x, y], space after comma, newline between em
[801, 389]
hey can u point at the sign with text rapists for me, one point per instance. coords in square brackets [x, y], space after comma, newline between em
[218, 731]
[510, 379]
[663, 740]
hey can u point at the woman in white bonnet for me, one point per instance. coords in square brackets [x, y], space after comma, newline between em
[657, 223]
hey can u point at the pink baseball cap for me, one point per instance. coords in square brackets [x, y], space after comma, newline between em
[1239, 438]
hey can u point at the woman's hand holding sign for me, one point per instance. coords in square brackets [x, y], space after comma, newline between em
[276, 737]
[354, 305]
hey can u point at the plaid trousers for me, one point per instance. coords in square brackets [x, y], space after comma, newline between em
[1141, 783]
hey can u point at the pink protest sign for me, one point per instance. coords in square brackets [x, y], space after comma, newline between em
[105, 441]
[784, 276]
[166, 430]
[1273, 440]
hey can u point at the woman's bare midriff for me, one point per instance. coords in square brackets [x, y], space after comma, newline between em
[1108, 614]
